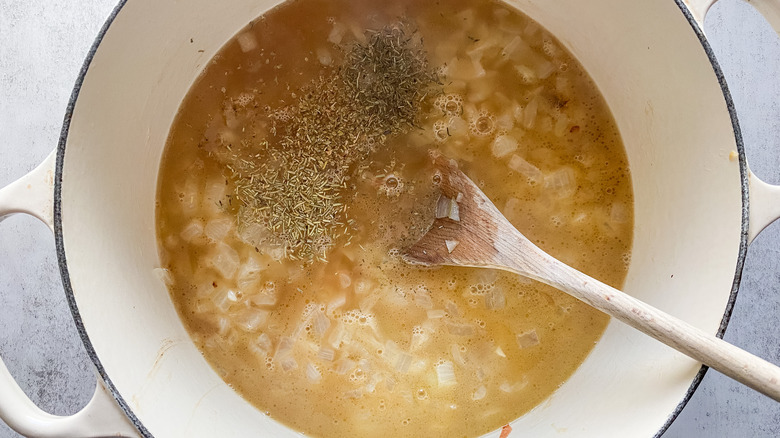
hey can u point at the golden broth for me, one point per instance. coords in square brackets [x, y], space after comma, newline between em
[346, 340]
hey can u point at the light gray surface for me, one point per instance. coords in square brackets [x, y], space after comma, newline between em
[42, 46]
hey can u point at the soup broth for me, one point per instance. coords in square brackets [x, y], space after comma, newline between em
[298, 168]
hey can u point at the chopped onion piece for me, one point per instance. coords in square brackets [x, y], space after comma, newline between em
[324, 56]
[354, 394]
[326, 353]
[337, 334]
[445, 373]
[443, 207]
[459, 198]
[336, 303]
[419, 338]
[224, 259]
[247, 42]
[451, 244]
[248, 273]
[217, 229]
[512, 387]
[343, 366]
[223, 298]
[337, 33]
[422, 297]
[192, 231]
[457, 355]
[479, 393]
[214, 195]
[163, 275]
[452, 308]
[261, 346]
[321, 323]
[253, 234]
[250, 319]
[530, 112]
[454, 211]
[527, 339]
[288, 363]
[284, 348]
[528, 170]
[460, 329]
[561, 125]
[436, 314]
[264, 298]
[500, 352]
[344, 280]
[618, 213]
[313, 373]
[223, 325]
[562, 182]
[495, 299]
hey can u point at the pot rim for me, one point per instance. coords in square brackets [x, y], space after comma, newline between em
[62, 260]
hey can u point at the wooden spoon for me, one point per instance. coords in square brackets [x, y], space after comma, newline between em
[470, 231]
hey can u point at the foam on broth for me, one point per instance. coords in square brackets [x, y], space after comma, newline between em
[352, 342]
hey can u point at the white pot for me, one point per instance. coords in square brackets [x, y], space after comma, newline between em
[696, 209]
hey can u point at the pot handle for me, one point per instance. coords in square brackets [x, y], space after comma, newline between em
[770, 9]
[33, 194]
[764, 205]
[764, 198]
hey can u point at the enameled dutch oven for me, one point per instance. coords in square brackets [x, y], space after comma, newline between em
[697, 207]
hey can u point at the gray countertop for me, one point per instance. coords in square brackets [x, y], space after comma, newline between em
[42, 46]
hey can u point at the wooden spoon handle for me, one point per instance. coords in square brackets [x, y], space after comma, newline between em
[718, 354]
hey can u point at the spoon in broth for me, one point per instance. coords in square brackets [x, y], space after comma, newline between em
[470, 231]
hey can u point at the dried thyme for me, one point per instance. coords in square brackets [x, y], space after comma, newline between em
[293, 182]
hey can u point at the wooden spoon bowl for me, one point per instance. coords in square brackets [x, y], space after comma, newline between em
[470, 231]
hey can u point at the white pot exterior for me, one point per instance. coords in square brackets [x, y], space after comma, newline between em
[651, 67]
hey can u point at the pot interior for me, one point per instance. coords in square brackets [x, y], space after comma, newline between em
[654, 74]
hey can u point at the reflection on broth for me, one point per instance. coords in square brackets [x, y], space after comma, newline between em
[297, 168]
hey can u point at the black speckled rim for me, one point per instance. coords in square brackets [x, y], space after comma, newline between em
[59, 242]
[743, 238]
[62, 261]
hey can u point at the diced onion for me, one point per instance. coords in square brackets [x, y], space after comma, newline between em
[530, 112]
[561, 182]
[251, 319]
[460, 329]
[457, 355]
[217, 229]
[288, 363]
[527, 339]
[313, 373]
[249, 273]
[451, 244]
[454, 213]
[436, 314]
[479, 393]
[261, 345]
[192, 230]
[321, 323]
[337, 33]
[223, 298]
[495, 299]
[443, 207]
[343, 366]
[344, 280]
[445, 372]
[163, 275]
[324, 56]
[523, 167]
[503, 145]
[224, 259]
[326, 353]
[247, 41]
